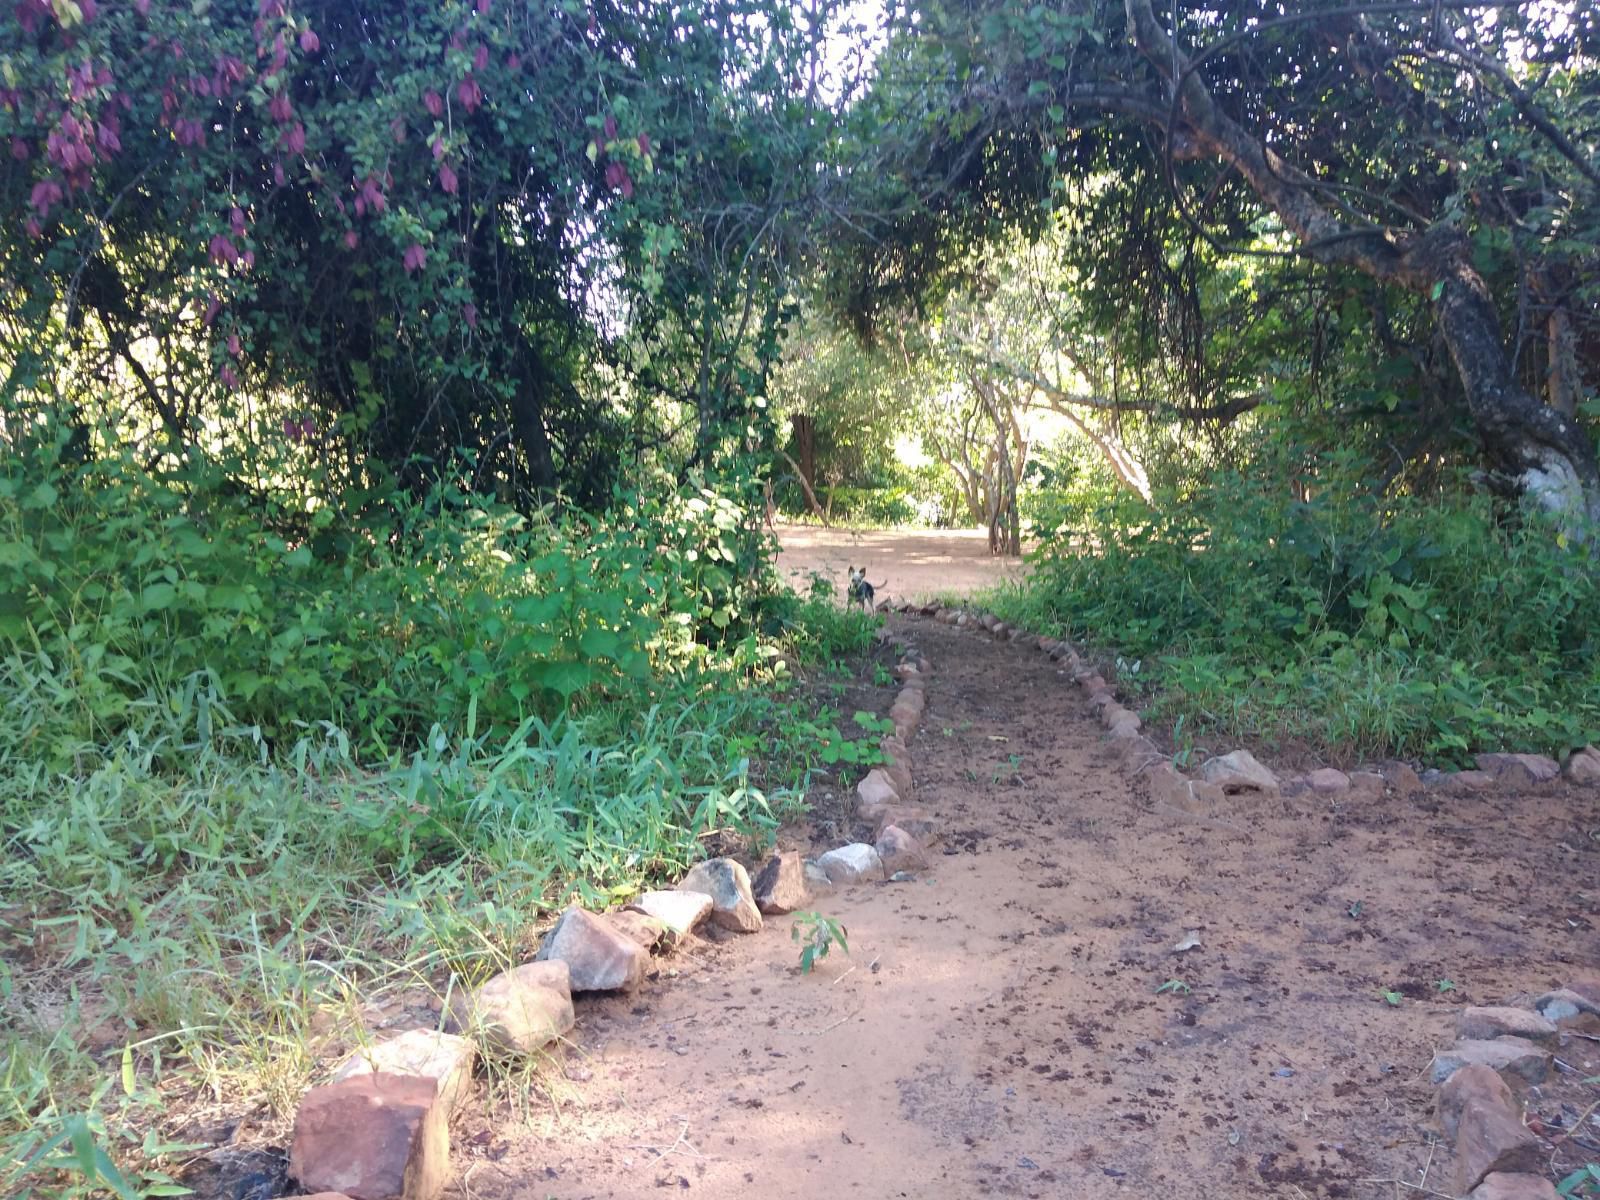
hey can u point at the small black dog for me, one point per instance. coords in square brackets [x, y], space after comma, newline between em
[860, 591]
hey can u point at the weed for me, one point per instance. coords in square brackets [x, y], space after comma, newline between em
[816, 935]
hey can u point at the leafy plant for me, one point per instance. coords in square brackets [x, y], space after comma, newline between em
[816, 935]
[1176, 986]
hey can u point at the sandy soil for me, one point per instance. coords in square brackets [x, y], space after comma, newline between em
[901, 565]
[997, 1028]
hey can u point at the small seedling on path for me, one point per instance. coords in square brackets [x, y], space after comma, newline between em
[1176, 986]
[816, 935]
[1392, 999]
[1445, 985]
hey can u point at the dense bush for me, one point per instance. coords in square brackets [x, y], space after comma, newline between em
[1372, 625]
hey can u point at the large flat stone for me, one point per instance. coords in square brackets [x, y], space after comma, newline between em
[1239, 772]
[852, 864]
[681, 912]
[1477, 1110]
[1485, 1024]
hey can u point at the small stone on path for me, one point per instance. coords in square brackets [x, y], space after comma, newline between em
[1238, 772]
[518, 1011]
[598, 956]
[780, 885]
[728, 884]
[899, 851]
[852, 864]
[1329, 781]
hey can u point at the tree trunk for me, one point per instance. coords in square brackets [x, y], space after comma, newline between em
[527, 420]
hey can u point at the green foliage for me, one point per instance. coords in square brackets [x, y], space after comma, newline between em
[816, 935]
[1585, 1181]
[1377, 626]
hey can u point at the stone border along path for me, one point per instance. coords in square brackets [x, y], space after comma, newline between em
[1498, 1049]
[379, 1130]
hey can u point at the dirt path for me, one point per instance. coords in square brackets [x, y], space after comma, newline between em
[998, 1029]
[911, 565]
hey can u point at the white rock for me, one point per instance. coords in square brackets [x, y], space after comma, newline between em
[852, 863]
[1239, 772]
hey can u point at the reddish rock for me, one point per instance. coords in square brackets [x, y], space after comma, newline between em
[599, 957]
[1519, 770]
[1367, 784]
[1511, 1056]
[728, 884]
[899, 851]
[441, 1058]
[1329, 781]
[1402, 778]
[373, 1137]
[1498, 1185]
[1484, 1024]
[518, 1011]
[1125, 726]
[874, 793]
[914, 821]
[780, 885]
[1477, 1110]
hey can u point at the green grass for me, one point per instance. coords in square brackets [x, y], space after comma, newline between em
[253, 782]
[1425, 628]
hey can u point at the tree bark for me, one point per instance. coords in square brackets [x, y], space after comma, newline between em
[1534, 450]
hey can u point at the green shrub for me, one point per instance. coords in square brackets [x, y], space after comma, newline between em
[1377, 626]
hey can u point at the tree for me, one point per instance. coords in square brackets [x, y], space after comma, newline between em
[392, 232]
[1435, 151]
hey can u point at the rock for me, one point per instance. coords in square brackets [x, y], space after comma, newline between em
[896, 765]
[1329, 781]
[1567, 1009]
[641, 929]
[679, 911]
[780, 885]
[1509, 1055]
[1094, 685]
[1102, 703]
[1583, 766]
[1484, 1024]
[1127, 725]
[518, 1011]
[324, 1196]
[1367, 784]
[899, 851]
[443, 1058]
[1402, 778]
[911, 700]
[817, 881]
[1138, 752]
[874, 793]
[1476, 1109]
[1469, 781]
[373, 1137]
[728, 884]
[852, 864]
[915, 821]
[1498, 1185]
[1519, 770]
[598, 957]
[905, 671]
[1238, 772]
